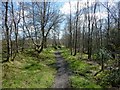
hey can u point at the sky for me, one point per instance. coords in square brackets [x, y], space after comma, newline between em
[64, 7]
[58, 0]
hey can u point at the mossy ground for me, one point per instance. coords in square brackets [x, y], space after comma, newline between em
[82, 72]
[30, 70]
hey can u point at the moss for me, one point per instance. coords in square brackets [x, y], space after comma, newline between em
[83, 75]
[28, 71]
[81, 82]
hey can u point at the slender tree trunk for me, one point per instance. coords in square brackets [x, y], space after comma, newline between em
[70, 31]
[7, 31]
[75, 52]
[23, 42]
[11, 45]
[89, 52]
[16, 27]
[108, 28]
[16, 38]
[119, 31]
[89, 32]
[83, 39]
[42, 28]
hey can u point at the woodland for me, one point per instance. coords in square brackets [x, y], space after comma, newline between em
[41, 47]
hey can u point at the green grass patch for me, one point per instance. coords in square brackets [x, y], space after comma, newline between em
[29, 70]
[83, 72]
[78, 65]
[81, 82]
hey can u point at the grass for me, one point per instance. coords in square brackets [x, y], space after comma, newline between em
[81, 82]
[83, 72]
[30, 70]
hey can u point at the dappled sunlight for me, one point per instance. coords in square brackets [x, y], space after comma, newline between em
[60, 44]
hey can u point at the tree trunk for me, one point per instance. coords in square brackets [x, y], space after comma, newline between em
[16, 39]
[7, 31]
[108, 28]
[42, 46]
[23, 42]
[89, 34]
[75, 52]
[70, 31]
[119, 32]
[45, 42]
[89, 39]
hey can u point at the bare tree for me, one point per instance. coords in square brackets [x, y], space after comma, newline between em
[70, 30]
[16, 22]
[89, 30]
[77, 14]
[7, 30]
[23, 27]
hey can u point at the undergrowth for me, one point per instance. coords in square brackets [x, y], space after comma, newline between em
[82, 72]
[30, 70]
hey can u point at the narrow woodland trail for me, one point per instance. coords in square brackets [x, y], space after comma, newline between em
[61, 79]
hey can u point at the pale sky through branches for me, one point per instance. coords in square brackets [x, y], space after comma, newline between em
[63, 6]
[65, 9]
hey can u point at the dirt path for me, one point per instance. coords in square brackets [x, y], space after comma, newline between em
[61, 79]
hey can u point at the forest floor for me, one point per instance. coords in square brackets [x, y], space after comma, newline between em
[73, 73]
[61, 79]
[52, 69]
[30, 70]
[81, 73]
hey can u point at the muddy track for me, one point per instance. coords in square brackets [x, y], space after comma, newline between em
[61, 79]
